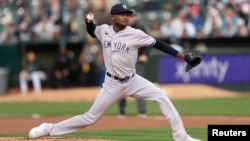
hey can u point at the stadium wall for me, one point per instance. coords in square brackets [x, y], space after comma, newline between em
[234, 51]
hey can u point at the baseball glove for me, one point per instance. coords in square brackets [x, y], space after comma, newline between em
[193, 59]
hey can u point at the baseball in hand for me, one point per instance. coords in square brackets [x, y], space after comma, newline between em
[90, 16]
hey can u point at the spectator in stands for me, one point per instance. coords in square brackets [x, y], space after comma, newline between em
[38, 14]
[182, 5]
[196, 17]
[230, 22]
[167, 28]
[72, 20]
[3, 3]
[215, 31]
[55, 9]
[9, 33]
[213, 23]
[88, 63]
[20, 4]
[150, 5]
[177, 24]
[74, 26]
[245, 12]
[45, 29]
[31, 72]
[25, 32]
[102, 13]
[52, 19]
[242, 31]
[188, 29]
[155, 29]
[182, 27]
[234, 5]
[62, 68]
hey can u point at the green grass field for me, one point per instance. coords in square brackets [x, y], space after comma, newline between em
[155, 134]
[220, 106]
[217, 106]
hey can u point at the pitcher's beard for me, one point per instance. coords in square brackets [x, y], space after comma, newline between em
[121, 26]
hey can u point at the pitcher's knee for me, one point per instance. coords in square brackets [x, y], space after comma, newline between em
[90, 118]
[161, 96]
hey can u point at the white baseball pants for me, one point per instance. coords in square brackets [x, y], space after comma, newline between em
[111, 92]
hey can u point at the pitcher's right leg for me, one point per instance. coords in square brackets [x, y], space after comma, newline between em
[108, 95]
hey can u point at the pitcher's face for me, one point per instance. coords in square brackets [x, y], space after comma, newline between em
[121, 19]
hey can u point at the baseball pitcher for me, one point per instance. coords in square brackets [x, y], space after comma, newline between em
[120, 44]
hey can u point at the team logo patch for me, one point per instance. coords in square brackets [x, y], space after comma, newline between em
[124, 6]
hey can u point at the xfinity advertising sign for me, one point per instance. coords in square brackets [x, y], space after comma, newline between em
[230, 69]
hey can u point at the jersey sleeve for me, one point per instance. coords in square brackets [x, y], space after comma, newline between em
[98, 31]
[144, 39]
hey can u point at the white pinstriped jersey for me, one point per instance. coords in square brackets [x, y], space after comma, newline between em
[121, 49]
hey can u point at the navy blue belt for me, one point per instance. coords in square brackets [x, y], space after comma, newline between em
[126, 78]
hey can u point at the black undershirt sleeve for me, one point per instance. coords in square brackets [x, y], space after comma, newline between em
[166, 48]
[91, 28]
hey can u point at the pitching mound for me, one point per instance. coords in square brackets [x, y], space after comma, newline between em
[192, 91]
[174, 91]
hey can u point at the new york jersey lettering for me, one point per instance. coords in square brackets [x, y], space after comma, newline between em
[106, 44]
[121, 47]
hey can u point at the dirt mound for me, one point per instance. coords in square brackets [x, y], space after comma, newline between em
[174, 91]
[184, 91]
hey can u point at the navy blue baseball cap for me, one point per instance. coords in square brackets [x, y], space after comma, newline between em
[120, 8]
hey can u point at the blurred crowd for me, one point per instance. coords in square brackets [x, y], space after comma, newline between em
[62, 20]
[46, 20]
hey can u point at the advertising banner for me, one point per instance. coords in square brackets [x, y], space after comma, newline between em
[220, 68]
